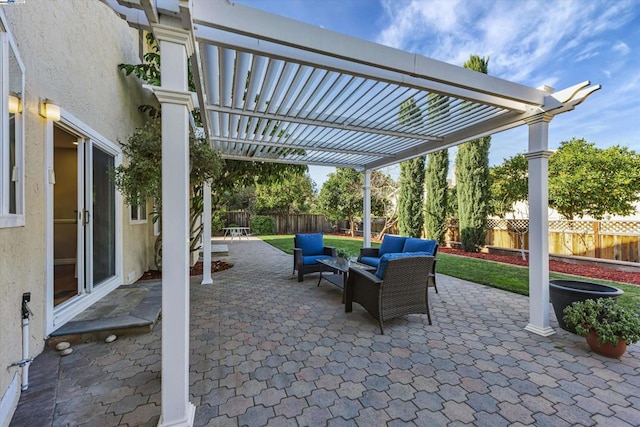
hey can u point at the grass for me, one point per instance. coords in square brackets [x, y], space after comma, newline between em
[502, 276]
[285, 243]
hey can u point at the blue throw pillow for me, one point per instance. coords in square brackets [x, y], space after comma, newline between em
[391, 244]
[384, 261]
[420, 245]
[311, 244]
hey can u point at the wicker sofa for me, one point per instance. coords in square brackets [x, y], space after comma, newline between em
[401, 244]
[397, 288]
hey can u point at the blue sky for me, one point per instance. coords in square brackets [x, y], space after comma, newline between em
[535, 43]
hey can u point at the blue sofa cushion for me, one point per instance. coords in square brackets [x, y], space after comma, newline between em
[313, 259]
[370, 260]
[413, 244]
[391, 244]
[384, 261]
[311, 244]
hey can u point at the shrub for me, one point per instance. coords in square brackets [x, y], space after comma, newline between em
[264, 225]
[606, 318]
[218, 217]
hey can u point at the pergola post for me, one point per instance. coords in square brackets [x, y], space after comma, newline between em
[366, 193]
[206, 234]
[538, 157]
[176, 46]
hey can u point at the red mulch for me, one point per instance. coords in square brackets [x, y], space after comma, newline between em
[196, 270]
[591, 271]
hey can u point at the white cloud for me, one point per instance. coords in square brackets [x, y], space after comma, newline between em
[622, 48]
[520, 38]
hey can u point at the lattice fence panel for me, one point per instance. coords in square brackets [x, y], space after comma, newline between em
[620, 227]
[500, 224]
[563, 226]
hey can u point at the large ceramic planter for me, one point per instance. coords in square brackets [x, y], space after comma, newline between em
[566, 292]
[606, 349]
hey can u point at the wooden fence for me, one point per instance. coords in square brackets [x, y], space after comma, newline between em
[286, 224]
[615, 240]
[305, 223]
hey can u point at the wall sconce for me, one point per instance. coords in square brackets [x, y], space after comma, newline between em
[15, 103]
[49, 109]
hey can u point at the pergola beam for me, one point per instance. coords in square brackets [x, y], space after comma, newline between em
[490, 127]
[355, 166]
[328, 149]
[321, 123]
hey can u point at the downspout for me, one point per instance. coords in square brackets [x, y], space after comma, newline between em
[26, 360]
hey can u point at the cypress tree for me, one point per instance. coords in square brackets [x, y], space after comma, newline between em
[411, 193]
[411, 196]
[435, 215]
[436, 204]
[473, 180]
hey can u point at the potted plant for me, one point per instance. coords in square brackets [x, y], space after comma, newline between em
[343, 253]
[608, 326]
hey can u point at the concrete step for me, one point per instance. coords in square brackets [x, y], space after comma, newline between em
[127, 310]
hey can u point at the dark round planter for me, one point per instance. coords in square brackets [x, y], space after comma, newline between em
[566, 292]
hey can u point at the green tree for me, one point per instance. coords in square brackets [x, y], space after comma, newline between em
[140, 178]
[292, 194]
[341, 195]
[586, 180]
[436, 204]
[411, 194]
[410, 197]
[235, 187]
[437, 191]
[473, 180]
[509, 185]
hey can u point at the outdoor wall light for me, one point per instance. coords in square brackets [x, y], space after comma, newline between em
[49, 109]
[15, 103]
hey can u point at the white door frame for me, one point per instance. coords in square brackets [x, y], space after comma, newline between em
[58, 316]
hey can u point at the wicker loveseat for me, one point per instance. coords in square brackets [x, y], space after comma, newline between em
[401, 244]
[397, 288]
[308, 249]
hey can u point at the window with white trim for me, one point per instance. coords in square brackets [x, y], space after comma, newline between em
[12, 134]
[139, 214]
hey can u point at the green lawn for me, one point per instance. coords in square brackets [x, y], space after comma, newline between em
[503, 276]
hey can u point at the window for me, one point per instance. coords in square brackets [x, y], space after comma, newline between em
[12, 135]
[156, 219]
[139, 214]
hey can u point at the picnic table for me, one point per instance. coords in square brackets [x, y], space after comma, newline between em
[238, 232]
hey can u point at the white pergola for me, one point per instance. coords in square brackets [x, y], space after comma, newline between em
[276, 90]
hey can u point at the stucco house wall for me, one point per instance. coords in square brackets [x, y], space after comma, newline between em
[70, 50]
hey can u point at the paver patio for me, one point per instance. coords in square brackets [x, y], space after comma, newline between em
[267, 350]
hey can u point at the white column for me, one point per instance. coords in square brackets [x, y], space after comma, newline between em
[538, 157]
[175, 46]
[366, 192]
[206, 234]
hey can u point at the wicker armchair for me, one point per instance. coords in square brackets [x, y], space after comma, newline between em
[304, 264]
[374, 253]
[401, 290]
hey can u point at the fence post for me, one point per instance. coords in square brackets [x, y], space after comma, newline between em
[596, 239]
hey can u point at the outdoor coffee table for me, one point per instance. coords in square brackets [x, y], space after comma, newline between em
[340, 267]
